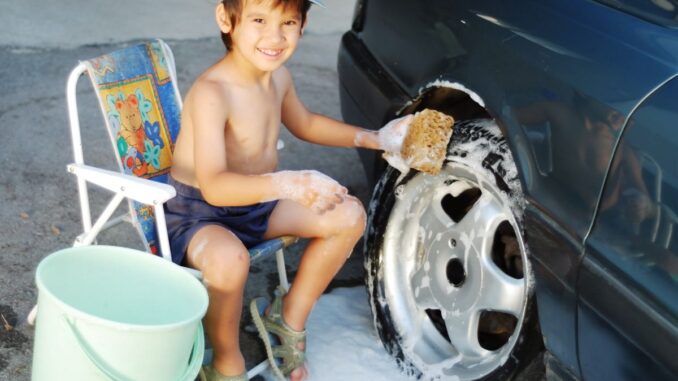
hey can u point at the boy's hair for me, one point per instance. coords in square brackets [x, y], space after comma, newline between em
[234, 10]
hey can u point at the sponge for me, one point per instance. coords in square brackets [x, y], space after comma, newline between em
[425, 144]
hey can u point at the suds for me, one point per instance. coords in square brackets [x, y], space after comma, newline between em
[457, 86]
[342, 343]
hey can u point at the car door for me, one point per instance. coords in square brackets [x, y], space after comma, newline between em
[628, 282]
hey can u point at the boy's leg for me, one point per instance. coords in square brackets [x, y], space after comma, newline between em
[224, 263]
[333, 236]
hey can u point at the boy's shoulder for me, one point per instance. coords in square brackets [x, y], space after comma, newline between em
[283, 76]
[210, 86]
[213, 89]
[208, 99]
[213, 84]
[210, 89]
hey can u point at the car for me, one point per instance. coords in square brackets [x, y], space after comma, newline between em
[550, 232]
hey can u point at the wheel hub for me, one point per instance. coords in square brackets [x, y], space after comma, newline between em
[456, 274]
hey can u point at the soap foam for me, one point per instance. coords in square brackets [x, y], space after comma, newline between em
[342, 343]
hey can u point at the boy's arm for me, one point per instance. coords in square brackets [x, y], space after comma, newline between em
[319, 129]
[219, 187]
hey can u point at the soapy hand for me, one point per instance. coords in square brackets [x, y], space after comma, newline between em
[311, 189]
[392, 135]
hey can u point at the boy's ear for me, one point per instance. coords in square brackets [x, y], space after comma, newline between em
[223, 20]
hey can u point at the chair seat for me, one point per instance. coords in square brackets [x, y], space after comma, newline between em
[269, 247]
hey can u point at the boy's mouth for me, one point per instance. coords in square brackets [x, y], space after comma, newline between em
[273, 53]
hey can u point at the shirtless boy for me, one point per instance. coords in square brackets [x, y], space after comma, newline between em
[230, 197]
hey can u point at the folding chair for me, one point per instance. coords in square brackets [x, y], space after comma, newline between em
[137, 91]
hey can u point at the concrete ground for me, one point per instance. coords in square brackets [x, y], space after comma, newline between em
[40, 42]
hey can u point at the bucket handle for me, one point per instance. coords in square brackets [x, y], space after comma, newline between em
[193, 367]
[196, 355]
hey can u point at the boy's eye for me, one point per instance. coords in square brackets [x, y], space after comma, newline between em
[290, 22]
[258, 21]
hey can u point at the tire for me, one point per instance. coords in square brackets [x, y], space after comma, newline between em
[448, 274]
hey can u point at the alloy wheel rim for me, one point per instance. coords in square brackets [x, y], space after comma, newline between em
[434, 263]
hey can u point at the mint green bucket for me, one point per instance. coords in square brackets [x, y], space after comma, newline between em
[111, 313]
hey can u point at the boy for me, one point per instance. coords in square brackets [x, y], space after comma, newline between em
[229, 196]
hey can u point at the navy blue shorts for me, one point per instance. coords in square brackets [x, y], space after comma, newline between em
[188, 212]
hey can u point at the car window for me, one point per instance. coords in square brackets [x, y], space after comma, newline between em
[639, 210]
[662, 12]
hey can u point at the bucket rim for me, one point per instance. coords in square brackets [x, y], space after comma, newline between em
[134, 327]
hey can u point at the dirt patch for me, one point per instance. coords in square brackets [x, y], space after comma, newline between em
[10, 337]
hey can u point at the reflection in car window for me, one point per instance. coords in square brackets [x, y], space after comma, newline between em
[571, 136]
[639, 210]
[662, 12]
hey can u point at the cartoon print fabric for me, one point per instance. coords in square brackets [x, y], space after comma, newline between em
[140, 102]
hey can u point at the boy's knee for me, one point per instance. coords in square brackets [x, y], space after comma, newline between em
[227, 269]
[353, 218]
[359, 211]
[346, 219]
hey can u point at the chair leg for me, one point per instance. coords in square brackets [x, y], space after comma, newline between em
[262, 366]
[282, 274]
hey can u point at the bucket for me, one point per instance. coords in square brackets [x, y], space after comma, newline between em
[111, 313]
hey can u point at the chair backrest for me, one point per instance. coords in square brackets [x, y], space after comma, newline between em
[141, 105]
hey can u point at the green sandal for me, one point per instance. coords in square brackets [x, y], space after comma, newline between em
[208, 373]
[280, 340]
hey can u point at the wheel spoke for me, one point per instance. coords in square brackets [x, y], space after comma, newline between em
[437, 231]
[421, 284]
[435, 219]
[501, 292]
[479, 221]
[463, 332]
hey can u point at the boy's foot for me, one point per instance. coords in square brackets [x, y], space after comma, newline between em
[285, 347]
[208, 373]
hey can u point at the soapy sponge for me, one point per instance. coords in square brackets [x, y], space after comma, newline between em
[425, 144]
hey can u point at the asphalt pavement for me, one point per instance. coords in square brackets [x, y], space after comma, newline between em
[40, 42]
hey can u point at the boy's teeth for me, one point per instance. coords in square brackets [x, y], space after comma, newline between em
[270, 52]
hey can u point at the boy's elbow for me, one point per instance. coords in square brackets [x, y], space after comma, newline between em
[208, 193]
[300, 134]
[210, 198]
[301, 126]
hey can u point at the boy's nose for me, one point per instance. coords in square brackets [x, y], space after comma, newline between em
[275, 34]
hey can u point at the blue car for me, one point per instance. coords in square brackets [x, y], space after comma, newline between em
[550, 233]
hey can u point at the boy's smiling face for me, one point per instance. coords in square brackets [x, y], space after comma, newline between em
[265, 36]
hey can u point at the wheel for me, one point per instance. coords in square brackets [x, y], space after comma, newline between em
[447, 266]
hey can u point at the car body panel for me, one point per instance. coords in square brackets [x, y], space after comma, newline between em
[379, 96]
[550, 75]
[628, 310]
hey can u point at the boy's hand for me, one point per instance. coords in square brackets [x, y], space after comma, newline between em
[312, 189]
[392, 135]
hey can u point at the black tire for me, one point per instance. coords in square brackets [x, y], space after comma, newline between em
[476, 148]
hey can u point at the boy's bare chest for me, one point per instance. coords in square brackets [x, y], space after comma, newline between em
[252, 131]
[251, 125]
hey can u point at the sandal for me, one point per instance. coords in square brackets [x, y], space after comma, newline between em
[280, 340]
[208, 373]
